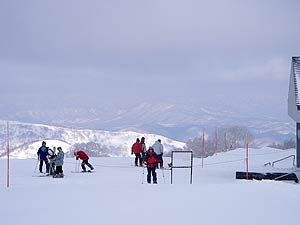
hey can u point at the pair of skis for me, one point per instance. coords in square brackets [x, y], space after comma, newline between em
[88, 171]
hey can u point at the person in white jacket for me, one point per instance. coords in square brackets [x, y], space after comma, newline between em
[159, 150]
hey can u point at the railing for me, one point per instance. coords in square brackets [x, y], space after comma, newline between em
[290, 156]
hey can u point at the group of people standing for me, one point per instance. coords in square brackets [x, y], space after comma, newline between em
[152, 158]
[54, 161]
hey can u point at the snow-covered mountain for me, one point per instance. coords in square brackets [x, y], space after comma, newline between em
[176, 121]
[26, 138]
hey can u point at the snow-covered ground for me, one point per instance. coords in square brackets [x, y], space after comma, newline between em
[117, 194]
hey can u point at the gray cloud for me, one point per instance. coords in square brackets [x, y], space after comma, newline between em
[131, 51]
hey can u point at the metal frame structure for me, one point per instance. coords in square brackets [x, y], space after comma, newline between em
[182, 167]
[294, 101]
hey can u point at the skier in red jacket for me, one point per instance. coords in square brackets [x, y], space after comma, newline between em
[85, 160]
[137, 149]
[151, 161]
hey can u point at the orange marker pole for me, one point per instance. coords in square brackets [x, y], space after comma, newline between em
[247, 166]
[202, 155]
[7, 150]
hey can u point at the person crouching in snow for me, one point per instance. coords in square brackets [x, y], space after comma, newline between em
[151, 161]
[59, 161]
[85, 160]
[51, 157]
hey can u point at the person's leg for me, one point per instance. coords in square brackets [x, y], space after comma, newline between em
[136, 160]
[83, 166]
[140, 159]
[41, 166]
[149, 175]
[89, 165]
[47, 166]
[159, 158]
[56, 170]
[161, 161]
[52, 168]
[59, 169]
[154, 176]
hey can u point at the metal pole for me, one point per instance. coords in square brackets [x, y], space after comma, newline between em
[216, 141]
[191, 179]
[225, 141]
[298, 145]
[7, 150]
[202, 146]
[163, 174]
[172, 167]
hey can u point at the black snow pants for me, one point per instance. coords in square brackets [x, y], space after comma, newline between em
[41, 165]
[138, 157]
[151, 170]
[86, 162]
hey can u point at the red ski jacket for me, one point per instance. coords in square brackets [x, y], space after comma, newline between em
[81, 155]
[136, 148]
[151, 159]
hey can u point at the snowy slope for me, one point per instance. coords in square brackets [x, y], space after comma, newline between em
[114, 194]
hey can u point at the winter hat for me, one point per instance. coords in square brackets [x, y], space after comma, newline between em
[150, 148]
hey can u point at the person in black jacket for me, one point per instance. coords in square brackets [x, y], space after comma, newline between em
[151, 161]
[42, 157]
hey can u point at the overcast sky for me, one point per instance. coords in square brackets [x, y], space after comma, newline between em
[98, 52]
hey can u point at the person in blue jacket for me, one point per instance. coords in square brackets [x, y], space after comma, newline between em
[42, 157]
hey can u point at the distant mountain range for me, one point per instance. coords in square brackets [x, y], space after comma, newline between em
[25, 139]
[175, 121]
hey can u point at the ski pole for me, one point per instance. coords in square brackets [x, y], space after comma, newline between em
[36, 165]
[143, 174]
[76, 166]
[163, 174]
